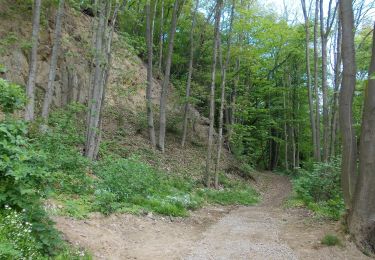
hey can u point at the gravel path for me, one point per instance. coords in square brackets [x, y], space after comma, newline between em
[263, 232]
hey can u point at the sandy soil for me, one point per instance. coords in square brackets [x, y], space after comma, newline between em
[265, 231]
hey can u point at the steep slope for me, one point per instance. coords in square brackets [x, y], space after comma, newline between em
[124, 114]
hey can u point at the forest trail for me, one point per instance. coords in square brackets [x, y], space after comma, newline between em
[264, 231]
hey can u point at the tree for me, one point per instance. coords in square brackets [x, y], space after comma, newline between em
[190, 73]
[325, 30]
[102, 64]
[167, 73]
[308, 81]
[337, 83]
[161, 37]
[349, 144]
[361, 220]
[30, 87]
[316, 79]
[212, 92]
[52, 69]
[149, 37]
[224, 65]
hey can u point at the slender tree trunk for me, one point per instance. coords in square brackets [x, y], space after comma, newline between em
[164, 90]
[161, 40]
[337, 82]
[52, 70]
[316, 81]
[324, 40]
[190, 73]
[30, 87]
[349, 154]
[362, 224]
[224, 66]
[286, 136]
[150, 115]
[308, 82]
[212, 93]
[103, 43]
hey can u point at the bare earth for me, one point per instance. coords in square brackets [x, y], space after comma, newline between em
[266, 231]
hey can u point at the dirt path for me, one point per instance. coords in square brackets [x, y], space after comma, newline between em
[266, 231]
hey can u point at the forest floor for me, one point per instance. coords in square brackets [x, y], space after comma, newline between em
[268, 230]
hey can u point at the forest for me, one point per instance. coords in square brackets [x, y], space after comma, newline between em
[187, 129]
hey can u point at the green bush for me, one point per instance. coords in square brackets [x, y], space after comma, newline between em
[68, 171]
[11, 96]
[320, 189]
[23, 175]
[128, 182]
[330, 240]
[16, 240]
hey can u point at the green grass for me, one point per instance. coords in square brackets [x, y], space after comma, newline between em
[330, 240]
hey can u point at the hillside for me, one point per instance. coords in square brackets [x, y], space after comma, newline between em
[125, 104]
[81, 178]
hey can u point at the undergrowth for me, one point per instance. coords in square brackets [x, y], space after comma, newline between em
[118, 184]
[319, 189]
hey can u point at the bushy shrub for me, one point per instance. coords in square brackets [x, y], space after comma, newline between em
[16, 239]
[12, 96]
[23, 175]
[68, 170]
[320, 189]
[128, 182]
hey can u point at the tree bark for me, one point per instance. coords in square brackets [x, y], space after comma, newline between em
[161, 40]
[316, 80]
[150, 115]
[52, 71]
[324, 40]
[325, 29]
[30, 87]
[349, 160]
[337, 83]
[224, 67]
[362, 224]
[212, 93]
[103, 43]
[190, 73]
[164, 90]
[308, 81]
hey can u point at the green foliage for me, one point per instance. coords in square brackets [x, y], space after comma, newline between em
[23, 172]
[234, 192]
[330, 240]
[320, 190]
[127, 182]
[69, 171]
[16, 240]
[12, 96]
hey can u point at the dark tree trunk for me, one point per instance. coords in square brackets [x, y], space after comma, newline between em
[349, 154]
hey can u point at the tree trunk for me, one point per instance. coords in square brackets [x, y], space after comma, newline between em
[308, 82]
[190, 73]
[349, 160]
[362, 224]
[224, 67]
[337, 82]
[324, 40]
[103, 43]
[164, 90]
[150, 115]
[212, 93]
[52, 70]
[161, 40]
[285, 136]
[316, 79]
[30, 87]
